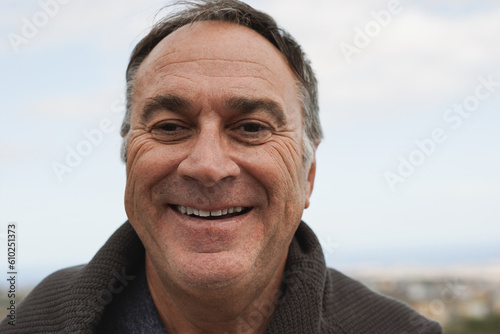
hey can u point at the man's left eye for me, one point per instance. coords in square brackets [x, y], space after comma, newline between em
[251, 127]
[253, 133]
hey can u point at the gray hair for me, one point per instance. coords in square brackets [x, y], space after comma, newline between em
[237, 12]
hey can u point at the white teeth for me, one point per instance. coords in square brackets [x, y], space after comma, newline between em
[201, 213]
[216, 213]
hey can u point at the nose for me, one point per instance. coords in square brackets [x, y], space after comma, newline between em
[208, 161]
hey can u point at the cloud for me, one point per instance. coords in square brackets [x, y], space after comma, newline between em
[73, 106]
[13, 153]
[422, 55]
[109, 24]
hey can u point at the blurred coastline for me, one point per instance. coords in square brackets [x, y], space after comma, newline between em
[463, 298]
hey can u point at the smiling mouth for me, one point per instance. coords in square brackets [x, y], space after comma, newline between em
[212, 215]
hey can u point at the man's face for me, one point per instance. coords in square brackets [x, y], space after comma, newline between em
[216, 184]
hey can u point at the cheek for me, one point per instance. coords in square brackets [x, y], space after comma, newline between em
[278, 166]
[148, 163]
[285, 158]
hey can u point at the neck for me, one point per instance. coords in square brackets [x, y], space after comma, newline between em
[243, 307]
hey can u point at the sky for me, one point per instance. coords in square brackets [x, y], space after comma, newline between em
[408, 171]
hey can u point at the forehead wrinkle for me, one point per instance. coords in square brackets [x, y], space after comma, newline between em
[166, 75]
[178, 76]
[196, 60]
[259, 75]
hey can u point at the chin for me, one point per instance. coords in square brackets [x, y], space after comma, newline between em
[213, 270]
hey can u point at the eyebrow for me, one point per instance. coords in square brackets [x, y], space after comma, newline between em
[241, 105]
[158, 103]
[247, 106]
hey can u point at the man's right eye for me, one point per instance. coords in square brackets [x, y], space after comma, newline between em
[169, 127]
[169, 132]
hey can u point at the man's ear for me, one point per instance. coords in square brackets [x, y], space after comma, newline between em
[310, 181]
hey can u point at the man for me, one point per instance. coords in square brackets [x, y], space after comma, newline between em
[219, 142]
